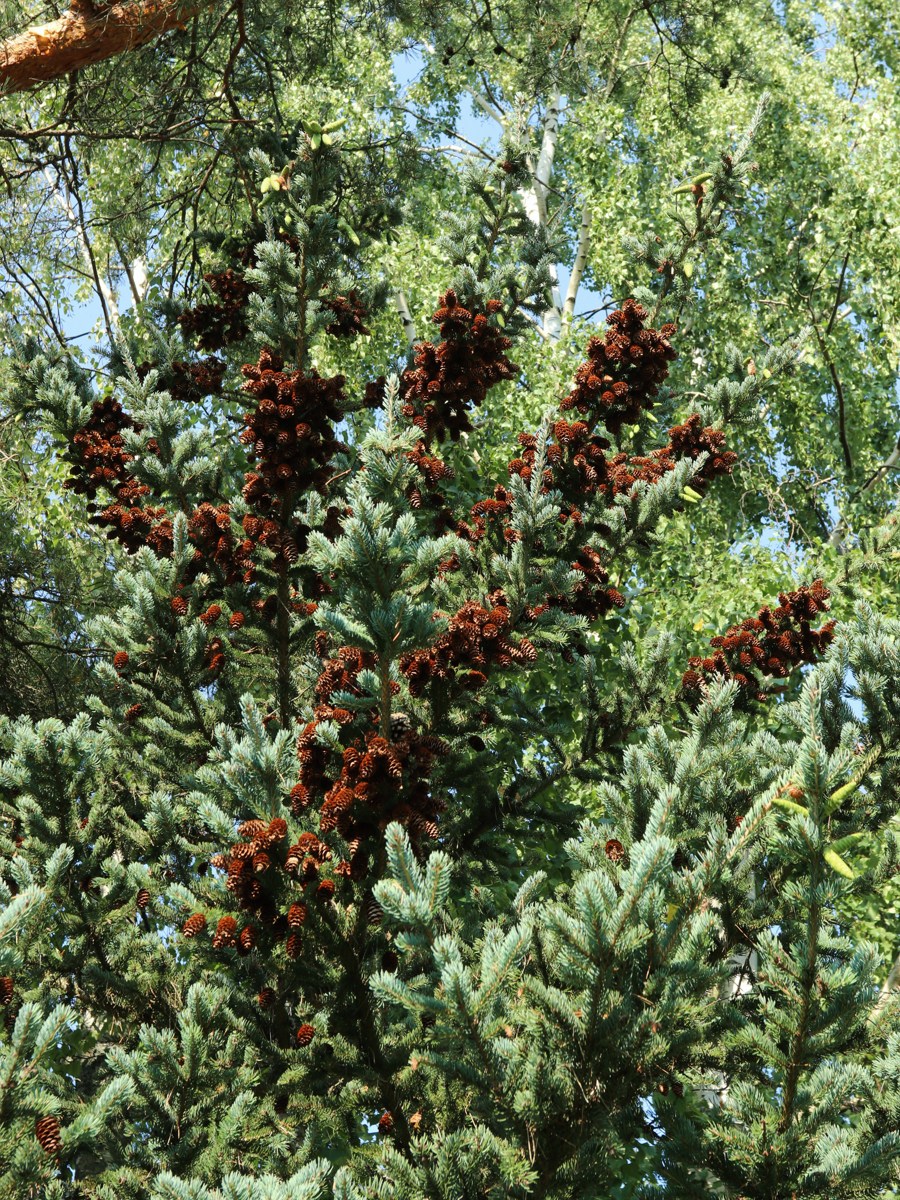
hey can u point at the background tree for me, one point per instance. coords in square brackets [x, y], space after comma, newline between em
[268, 589]
[53, 576]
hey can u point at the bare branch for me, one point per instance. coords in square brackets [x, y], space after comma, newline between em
[836, 537]
[65, 193]
[891, 986]
[839, 392]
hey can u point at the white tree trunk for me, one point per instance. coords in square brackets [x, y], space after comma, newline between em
[409, 326]
[584, 245]
[534, 201]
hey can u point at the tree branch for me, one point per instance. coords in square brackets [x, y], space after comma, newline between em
[836, 537]
[584, 244]
[83, 36]
[839, 393]
[65, 191]
[880, 471]
[837, 295]
[486, 107]
[890, 987]
[409, 326]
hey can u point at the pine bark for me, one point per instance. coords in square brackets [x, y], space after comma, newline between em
[84, 35]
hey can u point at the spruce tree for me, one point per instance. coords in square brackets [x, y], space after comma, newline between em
[370, 869]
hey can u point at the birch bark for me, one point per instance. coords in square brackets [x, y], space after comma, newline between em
[409, 327]
[534, 201]
[584, 246]
[836, 537]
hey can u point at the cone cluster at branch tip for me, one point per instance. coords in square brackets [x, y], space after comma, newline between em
[349, 314]
[451, 377]
[624, 369]
[477, 639]
[772, 644]
[218, 323]
[290, 432]
[97, 453]
[188, 382]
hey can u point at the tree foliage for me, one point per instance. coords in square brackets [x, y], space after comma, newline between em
[409, 784]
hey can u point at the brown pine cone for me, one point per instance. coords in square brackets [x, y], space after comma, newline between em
[276, 832]
[226, 933]
[614, 850]
[46, 1130]
[253, 828]
[325, 890]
